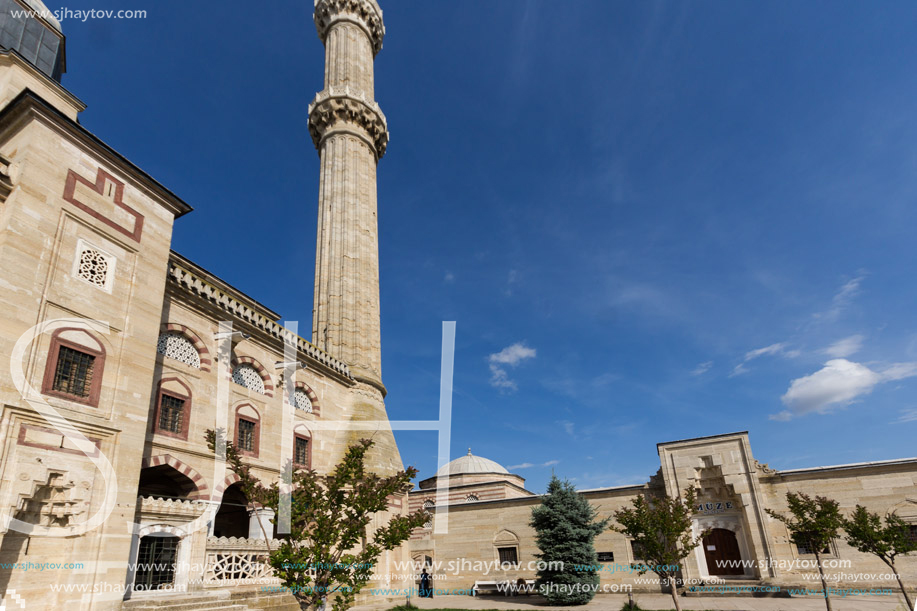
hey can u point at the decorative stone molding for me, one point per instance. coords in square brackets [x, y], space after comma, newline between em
[240, 544]
[364, 13]
[6, 183]
[764, 468]
[332, 108]
[171, 508]
[185, 281]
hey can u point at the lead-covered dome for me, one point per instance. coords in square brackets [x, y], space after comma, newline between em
[471, 464]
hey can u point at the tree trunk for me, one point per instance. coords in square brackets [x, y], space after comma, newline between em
[674, 593]
[910, 603]
[824, 584]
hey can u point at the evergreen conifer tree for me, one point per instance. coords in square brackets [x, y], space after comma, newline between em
[565, 525]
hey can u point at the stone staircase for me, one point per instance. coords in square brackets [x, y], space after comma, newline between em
[741, 588]
[229, 599]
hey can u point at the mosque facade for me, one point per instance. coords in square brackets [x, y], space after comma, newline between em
[118, 354]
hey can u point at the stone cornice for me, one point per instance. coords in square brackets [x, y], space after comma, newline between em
[171, 507]
[197, 287]
[334, 109]
[365, 13]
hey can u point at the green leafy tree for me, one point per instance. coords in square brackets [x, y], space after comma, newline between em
[330, 551]
[814, 523]
[866, 532]
[565, 527]
[661, 529]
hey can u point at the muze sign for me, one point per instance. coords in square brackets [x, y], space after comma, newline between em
[714, 507]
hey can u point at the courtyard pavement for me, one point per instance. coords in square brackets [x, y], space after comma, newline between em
[614, 602]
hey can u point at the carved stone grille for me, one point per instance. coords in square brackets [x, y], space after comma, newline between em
[301, 400]
[93, 267]
[248, 376]
[237, 567]
[177, 346]
[471, 498]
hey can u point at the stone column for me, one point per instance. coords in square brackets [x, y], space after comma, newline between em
[350, 134]
[258, 518]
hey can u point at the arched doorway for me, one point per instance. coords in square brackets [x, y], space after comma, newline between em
[721, 551]
[156, 560]
[232, 518]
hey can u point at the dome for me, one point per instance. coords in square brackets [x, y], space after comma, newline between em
[471, 464]
[39, 7]
[35, 34]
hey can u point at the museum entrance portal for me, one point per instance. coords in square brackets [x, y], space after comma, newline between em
[721, 549]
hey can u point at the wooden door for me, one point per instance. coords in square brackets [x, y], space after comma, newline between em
[721, 549]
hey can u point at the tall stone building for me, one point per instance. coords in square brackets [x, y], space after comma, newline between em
[118, 353]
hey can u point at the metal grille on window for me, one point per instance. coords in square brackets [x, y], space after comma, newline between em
[805, 548]
[171, 410]
[156, 562]
[248, 376]
[508, 555]
[301, 456]
[302, 401]
[177, 346]
[93, 267]
[74, 372]
[246, 435]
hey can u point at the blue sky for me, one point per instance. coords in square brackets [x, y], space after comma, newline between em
[650, 220]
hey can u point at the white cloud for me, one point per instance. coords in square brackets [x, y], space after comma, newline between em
[702, 368]
[844, 347]
[567, 426]
[779, 348]
[767, 350]
[528, 465]
[508, 357]
[907, 415]
[842, 299]
[836, 384]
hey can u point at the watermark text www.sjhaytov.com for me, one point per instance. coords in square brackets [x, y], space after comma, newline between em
[64, 13]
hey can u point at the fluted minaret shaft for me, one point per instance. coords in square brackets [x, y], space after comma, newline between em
[350, 133]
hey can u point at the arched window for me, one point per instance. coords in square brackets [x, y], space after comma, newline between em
[471, 498]
[176, 346]
[428, 504]
[246, 375]
[301, 400]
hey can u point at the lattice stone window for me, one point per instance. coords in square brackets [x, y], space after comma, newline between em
[428, 504]
[94, 266]
[471, 498]
[177, 346]
[247, 376]
[302, 401]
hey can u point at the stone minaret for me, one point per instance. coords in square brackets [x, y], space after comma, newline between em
[350, 133]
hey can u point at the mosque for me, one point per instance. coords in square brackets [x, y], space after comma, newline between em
[109, 496]
[489, 510]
